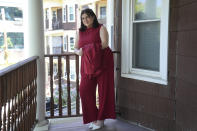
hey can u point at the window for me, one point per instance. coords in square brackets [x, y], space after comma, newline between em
[11, 13]
[47, 14]
[71, 13]
[71, 44]
[16, 40]
[102, 12]
[65, 43]
[1, 39]
[64, 14]
[54, 15]
[145, 40]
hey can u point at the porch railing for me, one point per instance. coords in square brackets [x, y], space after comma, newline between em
[18, 96]
[58, 110]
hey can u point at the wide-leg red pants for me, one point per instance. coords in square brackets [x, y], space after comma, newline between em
[106, 108]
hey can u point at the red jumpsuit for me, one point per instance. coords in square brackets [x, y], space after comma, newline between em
[104, 77]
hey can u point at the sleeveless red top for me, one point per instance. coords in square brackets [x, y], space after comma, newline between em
[92, 36]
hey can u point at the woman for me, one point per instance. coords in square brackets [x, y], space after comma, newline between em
[97, 67]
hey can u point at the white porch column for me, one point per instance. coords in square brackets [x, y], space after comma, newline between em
[110, 21]
[34, 45]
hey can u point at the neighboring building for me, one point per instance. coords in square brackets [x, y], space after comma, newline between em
[60, 31]
[60, 25]
[11, 28]
[98, 6]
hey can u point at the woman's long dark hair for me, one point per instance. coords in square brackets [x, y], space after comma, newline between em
[90, 13]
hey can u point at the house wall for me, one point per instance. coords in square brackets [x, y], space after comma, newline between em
[184, 45]
[71, 25]
[171, 107]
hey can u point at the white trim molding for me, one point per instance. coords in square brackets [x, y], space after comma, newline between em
[127, 70]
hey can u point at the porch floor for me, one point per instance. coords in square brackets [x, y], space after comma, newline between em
[76, 124]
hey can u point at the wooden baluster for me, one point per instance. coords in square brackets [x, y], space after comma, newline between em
[51, 86]
[68, 85]
[30, 117]
[18, 125]
[28, 97]
[21, 100]
[60, 84]
[25, 100]
[8, 100]
[77, 85]
[14, 86]
[4, 102]
[12, 100]
[35, 89]
[24, 97]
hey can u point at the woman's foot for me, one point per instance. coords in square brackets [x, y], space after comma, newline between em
[91, 124]
[98, 125]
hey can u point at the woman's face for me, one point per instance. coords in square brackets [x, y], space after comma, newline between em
[87, 20]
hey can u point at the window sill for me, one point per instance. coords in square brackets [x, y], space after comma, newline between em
[157, 80]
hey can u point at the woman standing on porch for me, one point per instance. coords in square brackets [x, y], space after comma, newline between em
[97, 67]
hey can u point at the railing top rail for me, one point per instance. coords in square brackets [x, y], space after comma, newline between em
[17, 65]
[116, 52]
[63, 54]
[69, 53]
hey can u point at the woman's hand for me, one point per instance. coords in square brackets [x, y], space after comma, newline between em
[79, 51]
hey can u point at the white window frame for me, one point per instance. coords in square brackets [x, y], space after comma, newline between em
[73, 6]
[65, 37]
[127, 70]
[69, 48]
[64, 14]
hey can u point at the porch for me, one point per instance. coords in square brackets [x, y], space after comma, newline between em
[76, 124]
[18, 91]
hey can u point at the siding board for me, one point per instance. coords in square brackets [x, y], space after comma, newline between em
[187, 19]
[187, 43]
[186, 69]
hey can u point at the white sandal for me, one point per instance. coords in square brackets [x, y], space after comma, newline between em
[91, 125]
[95, 127]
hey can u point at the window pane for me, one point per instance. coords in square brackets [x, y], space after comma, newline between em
[16, 40]
[64, 14]
[1, 39]
[103, 12]
[71, 17]
[147, 9]
[71, 10]
[71, 43]
[146, 45]
[65, 43]
[11, 13]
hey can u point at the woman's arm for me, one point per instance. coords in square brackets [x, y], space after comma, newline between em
[104, 37]
[77, 50]
[77, 40]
